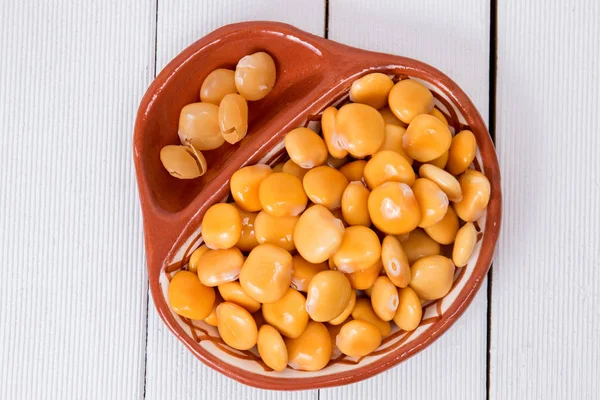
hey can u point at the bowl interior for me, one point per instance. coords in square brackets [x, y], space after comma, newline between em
[203, 338]
[294, 81]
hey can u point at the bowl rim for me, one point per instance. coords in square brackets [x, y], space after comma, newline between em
[394, 357]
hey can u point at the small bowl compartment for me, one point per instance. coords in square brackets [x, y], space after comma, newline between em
[161, 117]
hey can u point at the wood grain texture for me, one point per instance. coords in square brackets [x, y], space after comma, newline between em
[545, 315]
[73, 297]
[182, 22]
[73, 290]
[453, 37]
[172, 371]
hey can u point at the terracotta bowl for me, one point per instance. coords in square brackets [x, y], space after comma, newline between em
[313, 73]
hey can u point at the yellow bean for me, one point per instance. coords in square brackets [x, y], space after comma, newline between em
[188, 297]
[234, 293]
[439, 115]
[305, 148]
[364, 278]
[279, 167]
[347, 311]
[212, 319]
[409, 98]
[236, 326]
[275, 230]
[361, 129]
[384, 298]
[465, 242]
[432, 277]
[336, 163]
[216, 85]
[419, 245]
[318, 245]
[403, 237]
[193, 264]
[245, 183]
[364, 311]
[310, 351]
[360, 249]
[221, 226]
[233, 117]
[334, 142]
[332, 265]
[462, 152]
[371, 89]
[354, 204]
[354, 171]
[290, 167]
[444, 231]
[282, 195]
[199, 126]
[393, 141]
[395, 261]
[325, 185]
[248, 236]
[183, 162]
[426, 138]
[338, 214]
[266, 273]
[333, 332]
[328, 295]
[304, 271]
[287, 314]
[255, 76]
[443, 179]
[389, 118]
[409, 313]
[271, 348]
[433, 202]
[476, 195]
[358, 338]
[393, 208]
[388, 166]
[441, 161]
[216, 267]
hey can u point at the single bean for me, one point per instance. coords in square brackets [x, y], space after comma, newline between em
[188, 297]
[236, 326]
[255, 76]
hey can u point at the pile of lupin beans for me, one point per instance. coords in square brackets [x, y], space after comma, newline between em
[220, 116]
[319, 255]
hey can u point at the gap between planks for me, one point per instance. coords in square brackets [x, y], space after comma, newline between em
[154, 73]
[492, 131]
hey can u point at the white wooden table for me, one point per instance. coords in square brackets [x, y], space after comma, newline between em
[76, 320]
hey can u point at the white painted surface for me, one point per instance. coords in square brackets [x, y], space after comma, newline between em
[453, 37]
[73, 287]
[172, 371]
[73, 298]
[545, 314]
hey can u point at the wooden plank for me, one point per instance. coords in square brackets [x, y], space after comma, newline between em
[180, 23]
[73, 291]
[545, 319]
[453, 37]
[172, 371]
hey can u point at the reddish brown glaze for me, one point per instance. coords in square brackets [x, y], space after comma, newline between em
[311, 73]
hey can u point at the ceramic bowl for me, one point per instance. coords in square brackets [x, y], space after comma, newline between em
[312, 74]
